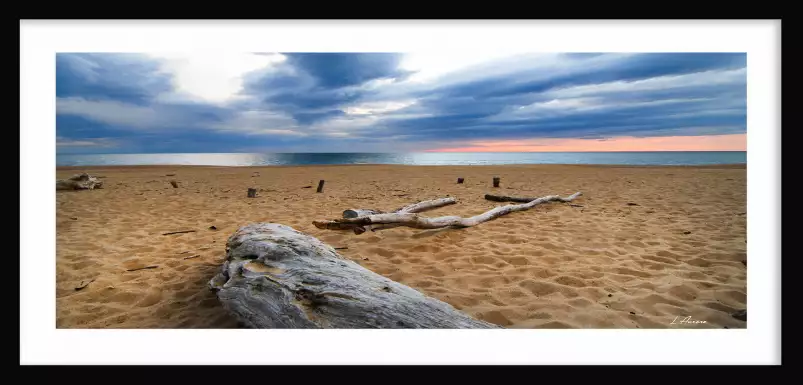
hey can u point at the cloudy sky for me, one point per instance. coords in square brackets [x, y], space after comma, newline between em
[385, 102]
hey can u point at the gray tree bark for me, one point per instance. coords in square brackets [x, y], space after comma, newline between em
[419, 222]
[277, 277]
[411, 208]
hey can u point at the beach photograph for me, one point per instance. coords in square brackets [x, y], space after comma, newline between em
[227, 192]
[645, 151]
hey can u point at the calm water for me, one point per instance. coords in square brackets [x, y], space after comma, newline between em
[619, 158]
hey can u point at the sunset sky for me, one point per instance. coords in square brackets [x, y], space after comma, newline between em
[385, 102]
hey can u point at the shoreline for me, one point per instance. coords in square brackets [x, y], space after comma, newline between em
[517, 165]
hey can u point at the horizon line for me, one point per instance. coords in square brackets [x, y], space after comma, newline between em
[395, 152]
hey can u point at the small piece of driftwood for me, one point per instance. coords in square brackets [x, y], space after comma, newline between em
[252, 193]
[144, 268]
[193, 256]
[81, 181]
[179, 232]
[320, 186]
[277, 277]
[83, 285]
[496, 181]
[341, 248]
[418, 222]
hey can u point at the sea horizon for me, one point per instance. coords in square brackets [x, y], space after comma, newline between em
[656, 158]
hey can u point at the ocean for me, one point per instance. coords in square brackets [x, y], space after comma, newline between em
[429, 158]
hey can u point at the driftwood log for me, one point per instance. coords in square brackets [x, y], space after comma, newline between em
[277, 277]
[81, 181]
[418, 222]
[411, 208]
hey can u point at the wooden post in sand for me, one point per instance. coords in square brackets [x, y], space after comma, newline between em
[496, 181]
[279, 278]
[459, 180]
[320, 186]
[252, 193]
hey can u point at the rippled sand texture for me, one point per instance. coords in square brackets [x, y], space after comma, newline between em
[649, 244]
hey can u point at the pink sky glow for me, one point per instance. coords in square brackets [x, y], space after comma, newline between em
[733, 142]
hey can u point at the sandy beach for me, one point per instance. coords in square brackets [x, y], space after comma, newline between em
[645, 245]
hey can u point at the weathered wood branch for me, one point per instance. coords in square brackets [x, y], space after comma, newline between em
[419, 222]
[277, 277]
[426, 205]
[411, 208]
[179, 232]
[144, 268]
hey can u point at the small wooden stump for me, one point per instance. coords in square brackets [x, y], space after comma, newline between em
[252, 193]
[174, 183]
[320, 186]
[496, 181]
[459, 180]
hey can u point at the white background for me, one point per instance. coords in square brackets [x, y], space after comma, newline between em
[41, 342]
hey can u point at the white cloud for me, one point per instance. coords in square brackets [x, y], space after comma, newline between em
[657, 83]
[214, 77]
[258, 122]
[372, 108]
[559, 107]
[431, 66]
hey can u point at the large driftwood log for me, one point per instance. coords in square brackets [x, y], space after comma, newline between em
[81, 181]
[277, 277]
[419, 222]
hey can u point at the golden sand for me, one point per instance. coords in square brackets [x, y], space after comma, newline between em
[649, 246]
